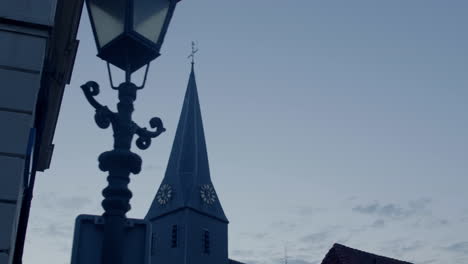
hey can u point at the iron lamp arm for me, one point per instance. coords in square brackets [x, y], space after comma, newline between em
[145, 136]
[103, 117]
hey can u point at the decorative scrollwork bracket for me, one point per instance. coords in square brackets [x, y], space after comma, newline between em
[145, 136]
[103, 116]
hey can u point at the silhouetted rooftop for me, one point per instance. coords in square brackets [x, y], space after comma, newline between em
[231, 261]
[340, 254]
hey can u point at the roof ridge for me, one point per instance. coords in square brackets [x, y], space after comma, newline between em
[341, 249]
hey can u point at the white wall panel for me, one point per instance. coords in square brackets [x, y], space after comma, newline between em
[21, 51]
[15, 132]
[11, 178]
[19, 90]
[32, 11]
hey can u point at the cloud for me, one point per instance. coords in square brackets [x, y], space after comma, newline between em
[294, 261]
[430, 223]
[54, 231]
[379, 223]
[53, 201]
[252, 261]
[255, 236]
[74, 202]
[316, 237]
[460, 248]
[411, 246]
[301, 261]
[322, 240]
[464, 216]
[152, 167]
[276, 260]
[66, 247]
[402, 247]
[309, 211]
[443, 222]
[284, 226]
[394, 211]
[259, 235]
[430, 261]
[243, 253]
[388, 210]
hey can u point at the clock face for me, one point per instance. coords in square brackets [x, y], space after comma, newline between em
[207, 193]
[164, 194]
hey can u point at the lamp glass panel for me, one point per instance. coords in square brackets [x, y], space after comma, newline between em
[108, 17]
[149, 17]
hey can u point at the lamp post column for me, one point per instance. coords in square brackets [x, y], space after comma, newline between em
[119, 162]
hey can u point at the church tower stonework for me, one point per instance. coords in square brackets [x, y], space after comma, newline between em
[188, 222]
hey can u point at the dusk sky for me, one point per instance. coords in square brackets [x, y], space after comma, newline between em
[326, 122]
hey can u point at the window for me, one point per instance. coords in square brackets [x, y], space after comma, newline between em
[206, 242]
[153, 244]
[174, 237]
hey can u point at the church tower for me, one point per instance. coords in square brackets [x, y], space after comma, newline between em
[188, 222]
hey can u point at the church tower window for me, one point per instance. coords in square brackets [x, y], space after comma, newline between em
[206, 242]
[153, 244]
[174, 236]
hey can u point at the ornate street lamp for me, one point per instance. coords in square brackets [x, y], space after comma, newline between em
[129, 35]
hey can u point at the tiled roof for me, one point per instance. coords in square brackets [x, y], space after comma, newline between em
[340, 254]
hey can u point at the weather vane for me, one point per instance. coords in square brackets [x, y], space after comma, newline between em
[194, 50]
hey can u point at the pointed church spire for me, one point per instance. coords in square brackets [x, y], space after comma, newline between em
[187, 182]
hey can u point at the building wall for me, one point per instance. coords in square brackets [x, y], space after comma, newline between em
[24, 36]
[190, 245]
[218, 239]
[162, 250]
[32, 11]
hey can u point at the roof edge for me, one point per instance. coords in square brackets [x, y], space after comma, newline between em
[189, 208]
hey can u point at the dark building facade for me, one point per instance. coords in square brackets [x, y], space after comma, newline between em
[37, 51]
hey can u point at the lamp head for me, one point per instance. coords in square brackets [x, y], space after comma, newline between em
[129, 33]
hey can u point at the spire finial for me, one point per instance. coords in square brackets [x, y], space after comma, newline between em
[194, 50]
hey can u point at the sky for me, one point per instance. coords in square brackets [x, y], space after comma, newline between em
[326, 122]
